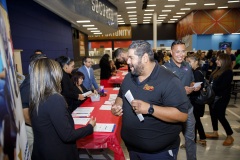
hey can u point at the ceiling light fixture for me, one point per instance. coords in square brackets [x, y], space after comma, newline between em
[131, 7]
[90, 25]
[94, 31]
[180, 13]
[185, 9]
[130, 2]
[97, 33]
[166, 10]
[84, 21]
[209, 4]
[173, 0]
[171, 21]
[177, 16]
[132, 15]
[132, 12]
[169, 6]
[151, 5]
[235, 33]
[223, 7]
[92, 28]
[132, 18]
[218, 34]
[163, 15]
[148, 14]
[149, 10]
[190, 4]
[233, 1]
[147, 17]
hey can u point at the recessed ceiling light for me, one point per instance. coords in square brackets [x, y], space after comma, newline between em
[163, 15]
[146, 22]
[84, 21]
[132, 12]
[97, 33]
[149, 10]
[132, 18]
[185, 9]
[173, 0]
[131, 7]
[133, 15]
[92, 28]
[209, 4]
[151, 5]
[235, 33]
[223, 7]
[169, 6]
[176, 16]
[166, 10]
[133, 21]
[148, 14]
[190, 4]
[119, 15]
[161, 20]
[130, 2]
[121, 23]
[147, 17]
[218, 34]
[90, 25]
[233, 1]
[120, 18]
[94, 31]
[180, 13]
[171, 21]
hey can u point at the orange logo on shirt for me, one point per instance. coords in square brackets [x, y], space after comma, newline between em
[148, 88]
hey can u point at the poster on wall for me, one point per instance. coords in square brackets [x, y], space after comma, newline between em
[13, 138]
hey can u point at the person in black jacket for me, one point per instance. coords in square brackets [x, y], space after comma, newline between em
[198, 110]
[221, 80]
[53, 126]
[67, 85]
[105, 72]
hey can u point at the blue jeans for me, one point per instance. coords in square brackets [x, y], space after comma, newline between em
[165, 155]
[189, 134]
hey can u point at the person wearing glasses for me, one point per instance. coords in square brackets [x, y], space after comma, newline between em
[89, 81]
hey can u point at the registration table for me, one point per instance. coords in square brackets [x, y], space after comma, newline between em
[103, 140]
[118, 78]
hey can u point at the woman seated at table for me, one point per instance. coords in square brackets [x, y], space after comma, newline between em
[53, 126]
[77, 78]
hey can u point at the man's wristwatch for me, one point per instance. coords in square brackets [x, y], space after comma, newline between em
[150, 109]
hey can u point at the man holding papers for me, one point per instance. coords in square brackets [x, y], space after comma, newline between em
[159, 98]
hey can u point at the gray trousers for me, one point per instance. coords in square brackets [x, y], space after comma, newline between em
[189, 134]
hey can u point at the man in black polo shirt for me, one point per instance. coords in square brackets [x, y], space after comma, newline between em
[159, 97]
[183, 71]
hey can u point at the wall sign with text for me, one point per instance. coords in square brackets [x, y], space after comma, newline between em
[123, 32]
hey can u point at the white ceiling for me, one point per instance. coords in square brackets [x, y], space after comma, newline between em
[56, 7]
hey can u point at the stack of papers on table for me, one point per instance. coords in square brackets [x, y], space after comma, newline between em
[112, 97]
[104, 127]
[81, 121]
[82, 112]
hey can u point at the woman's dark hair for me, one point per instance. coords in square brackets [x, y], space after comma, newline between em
[62, 60]
[226, 65]
[76, 75]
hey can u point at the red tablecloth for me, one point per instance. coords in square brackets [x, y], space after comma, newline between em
[125, 68]
[118, 78]
[101, 140]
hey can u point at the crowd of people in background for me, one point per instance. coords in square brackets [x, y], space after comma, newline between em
[65, 86]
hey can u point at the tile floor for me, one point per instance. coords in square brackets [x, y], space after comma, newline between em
[214, 149]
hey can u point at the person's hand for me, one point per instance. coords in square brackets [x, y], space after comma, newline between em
[140, 106]
[93, 121]
[189, 89]
[197, 88]
[117, 110]
[95, 91]
[81, 97]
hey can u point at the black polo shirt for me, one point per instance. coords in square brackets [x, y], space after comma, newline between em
[184, 72]
[161, 88]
